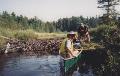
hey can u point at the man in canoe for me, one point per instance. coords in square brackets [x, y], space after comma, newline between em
[67, 50]
[83, 34]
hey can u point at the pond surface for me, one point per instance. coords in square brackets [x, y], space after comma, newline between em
[22, 65]
[16, 64]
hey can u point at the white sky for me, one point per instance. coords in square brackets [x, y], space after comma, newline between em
[49, 10]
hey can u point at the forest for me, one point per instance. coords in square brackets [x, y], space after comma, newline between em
[13, 21]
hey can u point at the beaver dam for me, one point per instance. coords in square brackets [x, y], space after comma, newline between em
[41, 58]
[41, 46]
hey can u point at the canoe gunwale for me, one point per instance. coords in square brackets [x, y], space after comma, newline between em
[72, 57]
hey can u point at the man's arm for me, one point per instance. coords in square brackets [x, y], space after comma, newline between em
[70, 51]
[68, 47]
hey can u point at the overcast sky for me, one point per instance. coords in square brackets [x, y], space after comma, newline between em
[49, 10]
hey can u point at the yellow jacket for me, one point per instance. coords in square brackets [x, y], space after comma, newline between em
[63, 50]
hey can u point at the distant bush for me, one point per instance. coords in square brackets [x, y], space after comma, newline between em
[101, 31]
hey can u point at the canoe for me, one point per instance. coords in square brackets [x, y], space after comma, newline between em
[68, 63]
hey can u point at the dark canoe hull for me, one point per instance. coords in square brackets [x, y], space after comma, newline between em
[70, 62]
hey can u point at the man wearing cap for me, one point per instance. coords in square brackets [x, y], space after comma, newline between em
[83, 34]
[67, 46]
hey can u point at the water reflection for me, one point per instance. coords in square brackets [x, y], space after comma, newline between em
[23, 65]
[33, 64]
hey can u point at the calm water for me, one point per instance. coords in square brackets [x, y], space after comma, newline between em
[35, 65]
[22, 65]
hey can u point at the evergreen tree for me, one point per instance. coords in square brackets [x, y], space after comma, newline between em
[15, 22]
[109, 7]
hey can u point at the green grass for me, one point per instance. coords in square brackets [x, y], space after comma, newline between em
[28, 34]
[2, 41]
[25, 34]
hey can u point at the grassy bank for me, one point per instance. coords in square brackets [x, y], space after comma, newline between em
[6, 34]
[97, 33]
[28, 34]
[50, 35]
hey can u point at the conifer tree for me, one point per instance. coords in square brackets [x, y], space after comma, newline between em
[109, 7]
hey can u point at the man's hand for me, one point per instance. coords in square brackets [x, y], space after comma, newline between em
[74, 56]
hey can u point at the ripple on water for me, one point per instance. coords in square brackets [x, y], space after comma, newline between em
[31, 66]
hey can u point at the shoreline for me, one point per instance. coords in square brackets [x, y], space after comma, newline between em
[44, 46]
